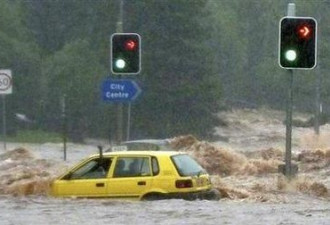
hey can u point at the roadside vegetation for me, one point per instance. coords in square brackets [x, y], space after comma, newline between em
[198, 58]
[34, 136]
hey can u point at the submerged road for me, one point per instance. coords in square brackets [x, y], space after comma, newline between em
[44, 210]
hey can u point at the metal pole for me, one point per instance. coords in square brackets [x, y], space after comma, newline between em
[289, 126]
[4, 128]
[119, 29]
[288, 144]
[64, 126]
[318, 102]
[318, 106]
[291, 9]
[128, 122]
[119, 25]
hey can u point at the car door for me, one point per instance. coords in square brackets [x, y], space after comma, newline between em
[131, 177]
[87, 180]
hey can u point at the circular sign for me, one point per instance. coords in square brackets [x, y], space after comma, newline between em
[5, 82]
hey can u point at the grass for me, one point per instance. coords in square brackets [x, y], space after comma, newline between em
[34, 136]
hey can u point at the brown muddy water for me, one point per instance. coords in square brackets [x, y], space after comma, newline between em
[243, 165]
[43, 210]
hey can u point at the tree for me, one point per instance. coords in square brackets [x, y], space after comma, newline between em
[73, 73]
[20, 54]
[182, 91]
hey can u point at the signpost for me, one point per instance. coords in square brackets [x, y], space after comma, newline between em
[120, 91]
[6, 85]
[125, 59]
[5, 82]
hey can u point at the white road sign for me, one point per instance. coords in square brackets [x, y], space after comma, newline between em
[6, 82]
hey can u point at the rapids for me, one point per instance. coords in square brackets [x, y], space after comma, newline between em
[243, 164]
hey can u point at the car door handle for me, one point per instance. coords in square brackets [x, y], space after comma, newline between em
[99, 184]
[141, 183]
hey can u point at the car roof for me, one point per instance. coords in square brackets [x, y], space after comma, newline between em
[150, 141]
[148, 144]
[136, 153]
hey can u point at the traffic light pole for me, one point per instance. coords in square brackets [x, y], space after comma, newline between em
[297, 50]
[288, 122]
[119, 29]
[288, 169]
[125, 60]
[318, 108]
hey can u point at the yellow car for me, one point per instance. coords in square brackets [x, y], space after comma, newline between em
[147, 175]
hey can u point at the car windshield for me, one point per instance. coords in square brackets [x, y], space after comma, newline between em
[187, 166]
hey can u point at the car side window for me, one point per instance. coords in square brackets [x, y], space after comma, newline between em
[155, 166]
[132, 167]
[93, 169]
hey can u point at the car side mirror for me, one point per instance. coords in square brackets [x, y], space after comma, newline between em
[67, 176]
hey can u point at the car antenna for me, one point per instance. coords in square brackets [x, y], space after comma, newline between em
[100, 151]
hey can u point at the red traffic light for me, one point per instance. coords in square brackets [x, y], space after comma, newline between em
[304, 31]
[125, 53]
[297, 43]
[131, 45]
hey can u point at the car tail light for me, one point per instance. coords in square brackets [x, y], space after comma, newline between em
[183, 184]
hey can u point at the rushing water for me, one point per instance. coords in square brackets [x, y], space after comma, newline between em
[44, 210]
[254, 197]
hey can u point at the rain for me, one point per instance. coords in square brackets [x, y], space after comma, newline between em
[209, 76]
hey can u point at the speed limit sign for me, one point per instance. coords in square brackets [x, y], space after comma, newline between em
[6, 83]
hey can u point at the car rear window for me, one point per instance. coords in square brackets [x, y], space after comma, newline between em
[186, 165]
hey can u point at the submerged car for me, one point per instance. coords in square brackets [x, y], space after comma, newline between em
[144, 175]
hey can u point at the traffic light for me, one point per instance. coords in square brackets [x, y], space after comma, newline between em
[297, 44]
[125, 53]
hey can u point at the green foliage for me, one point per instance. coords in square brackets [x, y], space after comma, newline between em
[35, 136]
[74, 74]
[20, 54]
[197, 56]
[181, 87]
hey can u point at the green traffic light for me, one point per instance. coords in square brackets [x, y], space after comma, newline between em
[125, 53]
[120, 64]
[291, 55]
[297, 43]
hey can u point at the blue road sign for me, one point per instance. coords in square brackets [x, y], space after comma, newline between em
[120, 90]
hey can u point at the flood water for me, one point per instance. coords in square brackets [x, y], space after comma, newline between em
[20, 209]
[252, 190]
[45, 210]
